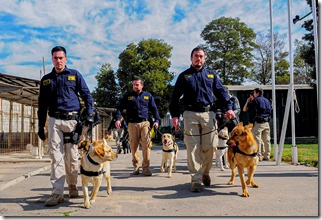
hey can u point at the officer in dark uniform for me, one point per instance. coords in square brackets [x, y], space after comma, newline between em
[59, 97]
[118, 133]
[261, 129]
[249, 106]
[137, 105]
[221, 120]
[195, 87]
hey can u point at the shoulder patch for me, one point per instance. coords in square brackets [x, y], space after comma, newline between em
[211, 76]
[146, 97]
[72, 78]
[130, 98]
[46, 82]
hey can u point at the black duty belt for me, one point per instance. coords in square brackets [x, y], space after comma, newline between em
[137, 120]
[261, 120]
[64, 115]
[198, 108]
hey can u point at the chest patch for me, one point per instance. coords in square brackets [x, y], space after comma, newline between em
[71, 78]
[146, 97]
[210, 76]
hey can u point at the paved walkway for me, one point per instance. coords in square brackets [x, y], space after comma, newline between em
[284, 190]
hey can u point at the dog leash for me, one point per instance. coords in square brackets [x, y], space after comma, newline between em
[218, 129]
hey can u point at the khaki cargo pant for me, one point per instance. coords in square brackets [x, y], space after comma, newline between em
[64, 166]
[263, 138]
[118, 134]
[139, 133]
[200, 148]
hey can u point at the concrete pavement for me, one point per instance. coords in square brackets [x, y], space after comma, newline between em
[284, 190]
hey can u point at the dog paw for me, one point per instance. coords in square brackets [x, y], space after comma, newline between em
[245, 194]
[162, 170]
[255, 185]
[222, 169]
[109, 191]
[87, 205]
[91, 202]
[230, 183]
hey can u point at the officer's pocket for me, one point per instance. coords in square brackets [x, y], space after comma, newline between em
[144, 103]
[70, 83]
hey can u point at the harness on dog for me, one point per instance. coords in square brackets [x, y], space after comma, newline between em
[171, 150]
[91, 173]
[224, 147]
[236, 150]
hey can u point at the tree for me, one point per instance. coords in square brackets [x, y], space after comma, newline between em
[308, 55]
[262, 70]
[229, 44]
[107, 92]
[302, 70]
[148, 60]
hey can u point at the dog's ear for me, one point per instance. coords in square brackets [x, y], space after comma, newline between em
[240, 124]
[172, 137]
[84, 145]
[99, 150]
[105, 142]
[249, 127]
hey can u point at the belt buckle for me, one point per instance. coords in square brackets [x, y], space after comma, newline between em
[57, 114]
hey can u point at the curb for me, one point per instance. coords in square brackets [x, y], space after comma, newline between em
[23, 177]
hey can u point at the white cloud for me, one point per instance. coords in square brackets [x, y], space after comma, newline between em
[96, 32]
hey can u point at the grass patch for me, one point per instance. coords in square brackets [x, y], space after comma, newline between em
[307, 154]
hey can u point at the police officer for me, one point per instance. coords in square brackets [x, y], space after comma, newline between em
[137, 105]
[230, 124]
[118, 132]
[58, 95]
[195, 88]
[261, 129]
[250, 107]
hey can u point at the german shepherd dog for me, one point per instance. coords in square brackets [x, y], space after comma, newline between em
[243, 153]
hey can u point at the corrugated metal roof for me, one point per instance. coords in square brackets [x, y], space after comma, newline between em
[19, 89]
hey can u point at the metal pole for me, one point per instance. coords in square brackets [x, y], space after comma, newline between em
[294, 148]
[316, 46]
[43, 65]
[273, 82]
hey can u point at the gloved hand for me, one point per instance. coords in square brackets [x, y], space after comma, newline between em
[41, 134]
[89, 120]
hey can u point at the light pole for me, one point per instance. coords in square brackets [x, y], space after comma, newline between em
[316, 46]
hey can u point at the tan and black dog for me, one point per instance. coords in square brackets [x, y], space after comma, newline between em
[170, 151]
[243, 153]
[95, 163]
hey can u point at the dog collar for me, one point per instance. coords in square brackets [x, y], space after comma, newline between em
[222, 138]
[168, 151]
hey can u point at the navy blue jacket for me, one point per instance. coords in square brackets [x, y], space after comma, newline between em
[262, 106]
[59, 92]
[138, 106]
[198, 88]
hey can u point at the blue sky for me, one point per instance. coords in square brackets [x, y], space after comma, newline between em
[95, 32]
